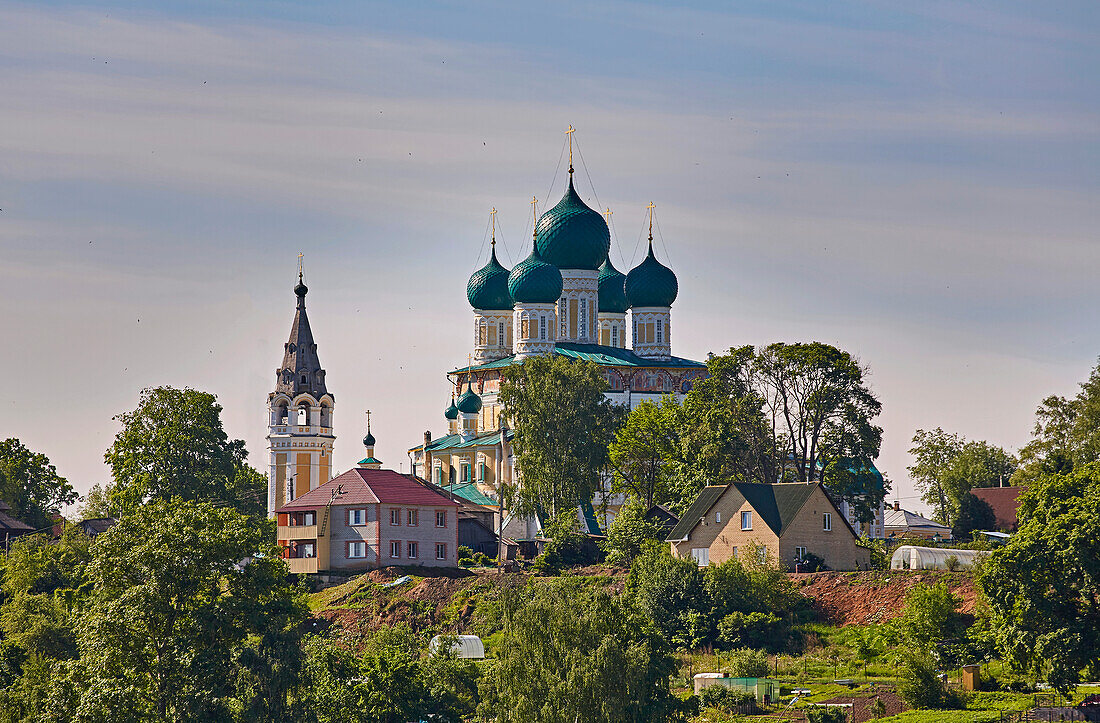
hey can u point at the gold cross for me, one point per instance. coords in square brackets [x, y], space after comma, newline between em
[569, 134]
[607, 215]
[300, 254]
[534, 215]
[368, 420]
[493, 217]
[651, 207]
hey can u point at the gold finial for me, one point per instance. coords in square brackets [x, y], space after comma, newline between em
[368, 421]
[535, 216]
[651, 207]
[300, 255]
[569, 134]
[469, 370]
[493, 220]
[607, 216]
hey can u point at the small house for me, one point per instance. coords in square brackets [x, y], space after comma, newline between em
[782, 522]
[10, 528]
[368, 518]
[903, 523]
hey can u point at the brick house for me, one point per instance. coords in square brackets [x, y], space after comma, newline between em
[368, 518]
[1004, 501]
[786, 520]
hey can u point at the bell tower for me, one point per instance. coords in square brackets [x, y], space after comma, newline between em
[299, 431]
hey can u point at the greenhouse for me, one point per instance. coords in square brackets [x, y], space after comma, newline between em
[910, 557]
[464, 646]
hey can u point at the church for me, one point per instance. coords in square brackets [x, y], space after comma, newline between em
[565, 298]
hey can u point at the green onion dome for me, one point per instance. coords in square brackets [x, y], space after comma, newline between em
[612, 291]
[651, 283]
[368, 441]
[452, 411]
[571, 235]
[469, 402]
[488, 286]
[533, 281]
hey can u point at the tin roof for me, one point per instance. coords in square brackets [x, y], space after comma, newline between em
[361, 486]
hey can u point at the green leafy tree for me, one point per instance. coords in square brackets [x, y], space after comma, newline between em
[726, 436]
[31, 485]
[670, 591]
[184, 594]
[746, 663]
[563, 425]
[628, 532]
[947, 466]
[974, 514]
[644, 448]
[173, 446]
[1066, 434]
[752, 630]
[930, 616]
[570, 653]
[920, 685]
[44, 584]
[1043, 585]
[96, 503]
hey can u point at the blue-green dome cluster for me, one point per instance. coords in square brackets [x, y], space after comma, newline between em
[651, 283]
[452, 411]
[612, 289]
[533, 281]
[488, 286]
[571, 235]
[469, 402]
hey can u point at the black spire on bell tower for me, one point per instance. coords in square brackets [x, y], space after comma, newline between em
[301, 369]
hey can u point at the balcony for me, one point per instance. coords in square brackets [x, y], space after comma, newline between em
[302, 565]
[298, 532]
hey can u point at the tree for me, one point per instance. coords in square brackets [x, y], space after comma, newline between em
[1042, 585]
[930, 616]
[974, 514]
[563, 425]
[96, 503]
[570, 653]
[788, 412]
[726, 437]
[188, 600]
[643, 448]
[31, 485]
[947, 466]
[670, 592]
[628, 532]
[172, 446]
[1066, 434]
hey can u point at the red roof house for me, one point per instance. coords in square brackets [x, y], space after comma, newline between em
[368, 518]
[1004, 501]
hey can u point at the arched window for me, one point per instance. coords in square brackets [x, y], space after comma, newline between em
[303, 416]
[500, 333]
[660, 331]
[614, 335]
[542, 327]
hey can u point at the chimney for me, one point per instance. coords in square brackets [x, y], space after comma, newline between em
[427, 438]
[57, 522]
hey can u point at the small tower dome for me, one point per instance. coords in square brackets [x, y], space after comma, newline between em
[533, 281]
[651, 283]
[469, 402]
[571, 235]
[612, 289]
[488, 286]
[452, 411]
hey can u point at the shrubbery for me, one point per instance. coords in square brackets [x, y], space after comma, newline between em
[723, 698]
[746, 663]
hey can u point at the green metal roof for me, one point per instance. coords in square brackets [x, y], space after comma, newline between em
[611, 289]
[651, 283]
[776, 505]
[533, 281]
[571, 235]
[488, 286]
[455, 441]
[370, 460]
[469, 492]
[607, 356]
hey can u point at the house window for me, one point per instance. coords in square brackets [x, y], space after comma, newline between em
[481, 471]
[395, 548]
[500, 333]
[746, 520]
[660, 331]
[701, 555]
[441, 519]
[542, 326]
[614, 335]
[827, 521]
[492, 335]
[357, 549]
[584, 318]
[733, 552]
[357, 517]
[717, 518]
[762, 553]
[413, 518]
[800, 553]
[411, 550]
[465, 476]
[395, 517]
[441, 550]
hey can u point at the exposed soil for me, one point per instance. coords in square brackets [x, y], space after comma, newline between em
[859, 598]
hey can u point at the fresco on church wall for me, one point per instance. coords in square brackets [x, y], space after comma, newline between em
[651, 380]
[687, 381]
[615, 381]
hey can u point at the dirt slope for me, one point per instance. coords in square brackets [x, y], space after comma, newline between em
[858, 598]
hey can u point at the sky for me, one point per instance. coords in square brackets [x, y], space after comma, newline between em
[915, 183]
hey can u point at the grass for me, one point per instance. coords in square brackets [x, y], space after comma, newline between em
[944, 716]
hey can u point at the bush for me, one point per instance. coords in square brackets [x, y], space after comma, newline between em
[747, 663]
[880, 558]
[627, 533]
[813, 563]
[826, 715]
[951, 563]
[921, 687]
[566, 547]
[723, 698]
[751, 630]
